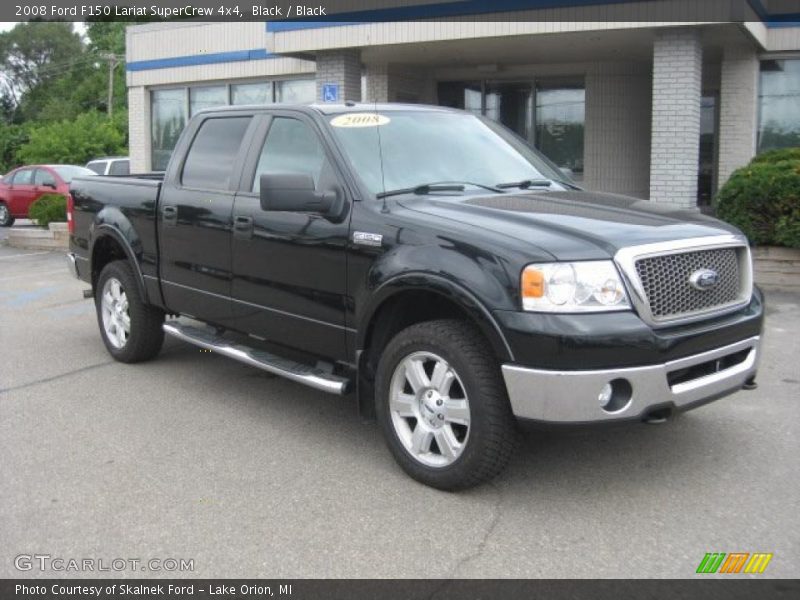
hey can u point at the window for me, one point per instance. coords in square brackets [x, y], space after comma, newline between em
[98, 166]
[209, 164]
[560, 118]
[550, 115]
[296, 91]
[170, 109]
[207, 97]
[120, 167]
[779, 119]
[168, 120]
[23, 177]
[44, 177]
[291, 147]
[251, 93]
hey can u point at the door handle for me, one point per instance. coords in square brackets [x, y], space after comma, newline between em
[169, 215]
[243, 227]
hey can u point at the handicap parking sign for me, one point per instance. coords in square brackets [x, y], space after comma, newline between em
[330, 92]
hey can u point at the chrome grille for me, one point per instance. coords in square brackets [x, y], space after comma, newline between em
[665, 281]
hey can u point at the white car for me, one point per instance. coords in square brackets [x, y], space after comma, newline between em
[110, 165]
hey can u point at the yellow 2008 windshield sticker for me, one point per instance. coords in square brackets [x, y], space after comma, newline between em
[360, 120]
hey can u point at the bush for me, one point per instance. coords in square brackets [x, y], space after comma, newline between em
[76, 141]
[49, 208]
[763, 199]
[773, 156]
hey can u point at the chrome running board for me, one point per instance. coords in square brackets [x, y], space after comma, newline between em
[305, 374]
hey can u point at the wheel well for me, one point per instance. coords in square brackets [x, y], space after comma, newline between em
[397, 313]
[105, 250]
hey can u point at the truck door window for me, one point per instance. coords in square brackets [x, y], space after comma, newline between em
[209, 164]
[291, 146]
[119, 167]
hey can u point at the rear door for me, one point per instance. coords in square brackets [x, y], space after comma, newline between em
[289, 268]
[21, 192]
[195, 217]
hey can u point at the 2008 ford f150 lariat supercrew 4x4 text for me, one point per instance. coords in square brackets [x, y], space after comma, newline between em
[426, 260]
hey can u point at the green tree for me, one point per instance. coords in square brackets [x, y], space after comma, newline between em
[12, 137]
[32, 57]
[76, 141]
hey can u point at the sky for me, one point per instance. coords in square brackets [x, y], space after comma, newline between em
[6, 25]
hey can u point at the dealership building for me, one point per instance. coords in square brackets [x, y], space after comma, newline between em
[658, 109]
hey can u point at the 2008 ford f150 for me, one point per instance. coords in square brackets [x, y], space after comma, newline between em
[426, 259]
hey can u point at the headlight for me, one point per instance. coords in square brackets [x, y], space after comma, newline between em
[587, 286]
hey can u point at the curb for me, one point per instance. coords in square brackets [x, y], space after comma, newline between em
[55, 237]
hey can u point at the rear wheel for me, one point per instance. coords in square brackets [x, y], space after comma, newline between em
[131, 330]
[443, 406]
[6, 220]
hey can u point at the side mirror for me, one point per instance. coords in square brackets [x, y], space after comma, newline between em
[294, 192]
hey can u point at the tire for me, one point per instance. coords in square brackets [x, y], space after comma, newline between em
[131, 330]
[474, 436]
[6, 220]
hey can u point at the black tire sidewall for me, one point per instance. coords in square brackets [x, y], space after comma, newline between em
[121, 271]
[478, 387]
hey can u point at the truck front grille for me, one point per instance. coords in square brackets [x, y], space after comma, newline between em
[665, 280]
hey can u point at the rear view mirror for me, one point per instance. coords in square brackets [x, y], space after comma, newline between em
[295, 192]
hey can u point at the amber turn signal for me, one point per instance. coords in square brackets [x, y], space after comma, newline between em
[532, 283]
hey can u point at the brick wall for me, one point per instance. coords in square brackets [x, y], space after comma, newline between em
[393, 83]
[675, 141]
[738, 110]
[342, 67]
[617, 134]
[139, 129]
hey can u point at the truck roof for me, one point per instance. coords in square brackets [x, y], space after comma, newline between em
[334, 109]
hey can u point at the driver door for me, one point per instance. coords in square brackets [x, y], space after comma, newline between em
[289, 268]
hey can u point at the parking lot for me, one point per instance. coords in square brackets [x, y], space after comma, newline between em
[194, 456]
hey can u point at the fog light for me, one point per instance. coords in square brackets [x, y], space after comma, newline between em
[605, 395]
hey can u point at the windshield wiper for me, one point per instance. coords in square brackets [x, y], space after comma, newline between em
[425, 188]
[440, 186]
[525, 184]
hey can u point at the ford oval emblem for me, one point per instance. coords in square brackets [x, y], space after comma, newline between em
[704, 279]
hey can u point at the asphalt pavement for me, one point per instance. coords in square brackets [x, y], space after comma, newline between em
[193, 456]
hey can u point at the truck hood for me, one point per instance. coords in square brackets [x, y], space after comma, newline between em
[572, 225]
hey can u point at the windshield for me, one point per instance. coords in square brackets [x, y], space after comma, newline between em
[68, 172]
[421, 147]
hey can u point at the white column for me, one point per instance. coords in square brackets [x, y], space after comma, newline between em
[675, 142]
[139, 129]
[738, 109]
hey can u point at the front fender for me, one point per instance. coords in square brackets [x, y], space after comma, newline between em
[449, 289]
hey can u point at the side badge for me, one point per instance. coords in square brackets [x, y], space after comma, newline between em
[362, 238]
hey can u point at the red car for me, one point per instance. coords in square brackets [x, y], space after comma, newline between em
[23, 186]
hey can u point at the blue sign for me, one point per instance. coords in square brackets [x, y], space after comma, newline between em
[330, 92]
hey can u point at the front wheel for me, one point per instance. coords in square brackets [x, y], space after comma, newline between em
[443, 406]
[6, 220]
[131, 330]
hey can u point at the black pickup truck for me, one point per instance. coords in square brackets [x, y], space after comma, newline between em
[430, 262]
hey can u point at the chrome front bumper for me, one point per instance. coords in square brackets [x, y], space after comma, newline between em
[573, 396]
